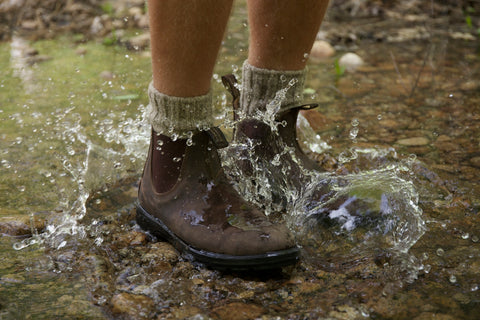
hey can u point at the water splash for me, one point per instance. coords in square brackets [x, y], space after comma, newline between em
[341, 215]
[88, 167]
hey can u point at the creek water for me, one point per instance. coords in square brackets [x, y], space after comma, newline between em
[399, 137]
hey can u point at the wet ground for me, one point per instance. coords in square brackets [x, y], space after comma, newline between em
[404, 127]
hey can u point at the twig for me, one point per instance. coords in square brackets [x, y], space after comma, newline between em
[398, 72]
[419, 73]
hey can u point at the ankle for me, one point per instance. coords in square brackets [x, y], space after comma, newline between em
[261, 87]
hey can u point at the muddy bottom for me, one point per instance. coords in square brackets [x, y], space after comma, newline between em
[402, 130]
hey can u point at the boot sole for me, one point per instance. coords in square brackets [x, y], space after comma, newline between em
[268, 260]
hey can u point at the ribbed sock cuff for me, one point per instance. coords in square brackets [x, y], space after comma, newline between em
[282, 90]
[178, 116]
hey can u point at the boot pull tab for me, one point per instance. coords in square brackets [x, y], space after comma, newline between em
[308, 106]
[217, 137]
[229, 81]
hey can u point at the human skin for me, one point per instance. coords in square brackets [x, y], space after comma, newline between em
[282, 32]
[186, 39]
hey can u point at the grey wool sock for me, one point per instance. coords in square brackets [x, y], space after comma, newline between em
[281, 89]
[179, 116]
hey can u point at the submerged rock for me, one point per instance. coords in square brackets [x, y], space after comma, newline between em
[416, 141]
[132, 305]
[22, 225]
[239, 311]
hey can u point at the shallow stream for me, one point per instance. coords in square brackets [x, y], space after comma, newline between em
[401, 135]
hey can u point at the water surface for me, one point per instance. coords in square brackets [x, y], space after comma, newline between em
[401, 134]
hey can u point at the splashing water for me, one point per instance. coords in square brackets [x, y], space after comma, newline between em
[341, 214]
[90, 167]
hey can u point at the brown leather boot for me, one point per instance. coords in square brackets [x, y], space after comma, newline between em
[285, 166]
[185, 198]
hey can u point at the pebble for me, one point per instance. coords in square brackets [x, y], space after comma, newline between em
[470, 85]
[433, 315]
[475, 162]
[344, 313]
[107, 75]
[132, 305]
[321, 50]
[415, 141]
[21, 225]
[12, 278]
[239, 311]
[351, 61]
[164, 251]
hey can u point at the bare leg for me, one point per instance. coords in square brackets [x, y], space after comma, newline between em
[282, 32]
[186, 37]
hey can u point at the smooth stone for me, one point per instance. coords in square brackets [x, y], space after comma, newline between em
[107, 75]
[23, 225]
[321, 50]
[239, 311]
[351, 61]
[416, 141]
[475, 162]
[135, 306]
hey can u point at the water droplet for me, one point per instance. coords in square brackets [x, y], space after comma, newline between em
[355, 122]
[283, 78]
[452, 279]
[440, 252]
[292, 82]
[21, 188]
[98, 201]
[465, 236]
[174, 137]
[353, 133]
[177, 159]
[189, 142]
[306, 55]
[160, 143]
[379, 117]
[475, 239]
[276, 160]
[474, 287]
[427, 268]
